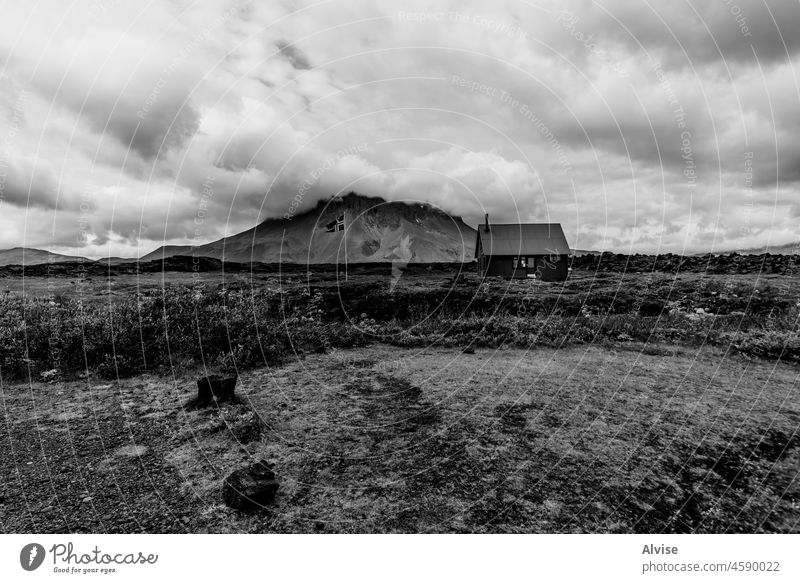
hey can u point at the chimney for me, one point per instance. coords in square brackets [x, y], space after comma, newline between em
[486, 224]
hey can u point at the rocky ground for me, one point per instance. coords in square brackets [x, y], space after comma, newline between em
[625, 438]
[720, 264]
[92, 457]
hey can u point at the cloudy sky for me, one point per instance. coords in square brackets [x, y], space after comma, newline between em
[638, 125]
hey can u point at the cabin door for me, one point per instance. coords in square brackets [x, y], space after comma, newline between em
[520, 266]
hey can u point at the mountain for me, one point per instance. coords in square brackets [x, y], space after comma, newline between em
[26, 256]
[172, 250]
[377, 231]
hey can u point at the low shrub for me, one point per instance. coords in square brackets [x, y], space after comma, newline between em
[245, 328]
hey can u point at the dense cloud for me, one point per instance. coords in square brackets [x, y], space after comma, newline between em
[694, 32]
[26, 184]
[638, 125]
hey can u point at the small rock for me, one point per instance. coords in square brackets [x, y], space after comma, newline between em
[50, 376]
[250, 487]
[87, 499]
[245, 427]
[239, 421]
[215, 387]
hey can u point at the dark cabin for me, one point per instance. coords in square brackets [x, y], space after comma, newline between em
[536, 250]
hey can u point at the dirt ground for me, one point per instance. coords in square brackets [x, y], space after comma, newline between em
[625, 438]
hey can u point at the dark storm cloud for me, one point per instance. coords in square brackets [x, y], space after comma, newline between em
[696, 32]
[162, 128]
[783, 168]
[25, 184]
[126, 88]
[147, 121]
[294, 55]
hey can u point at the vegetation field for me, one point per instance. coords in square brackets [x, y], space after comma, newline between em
[422, 400]
[125, 325]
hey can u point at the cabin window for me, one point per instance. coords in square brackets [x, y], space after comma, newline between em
[520, 262]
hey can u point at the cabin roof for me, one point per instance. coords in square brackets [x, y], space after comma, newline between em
[522, 239]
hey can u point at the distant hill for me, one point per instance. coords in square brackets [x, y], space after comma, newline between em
[27, 256]
[376, 230]
[788, 249]
[117, 260]
[170, 251]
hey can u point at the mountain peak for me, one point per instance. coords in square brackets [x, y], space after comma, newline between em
[358, 203]
[376, 230]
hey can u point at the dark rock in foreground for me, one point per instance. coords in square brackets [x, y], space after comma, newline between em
[215, 387]
[250, 488]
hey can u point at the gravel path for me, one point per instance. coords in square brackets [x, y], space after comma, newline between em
[91, 457]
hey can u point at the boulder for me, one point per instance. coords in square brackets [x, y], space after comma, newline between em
[215, 387]
[651, 308]
[251, 487]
